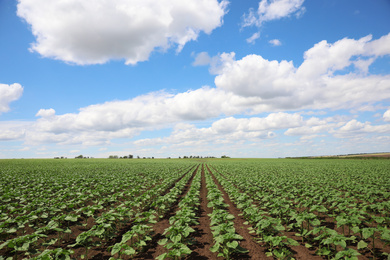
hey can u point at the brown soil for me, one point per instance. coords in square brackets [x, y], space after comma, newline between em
[153, 249]
[256, 251]
[203, 235]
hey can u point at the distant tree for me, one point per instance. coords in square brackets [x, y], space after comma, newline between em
[79, 157]
[225, 156]
[113, 157]
[130, 156]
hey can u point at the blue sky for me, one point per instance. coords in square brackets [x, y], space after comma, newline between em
[242, 78]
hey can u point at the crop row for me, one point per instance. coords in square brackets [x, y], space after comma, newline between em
[309, 210]
[108, 213]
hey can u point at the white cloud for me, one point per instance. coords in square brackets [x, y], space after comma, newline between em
[202, 59]
[98, 124]
[226, 131]
[253, 38]
[271, 122]
[318, 83]
[84, 32]
[379, 47]
[9, 93]
[275, 42]
[273, 10]
[354, 129]
[10, 130]
[386, 116]
[313, 126]
[325, 58]
[45, 113]
[256, 76]
[248, 86]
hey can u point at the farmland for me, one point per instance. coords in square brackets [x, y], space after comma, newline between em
[195, 209]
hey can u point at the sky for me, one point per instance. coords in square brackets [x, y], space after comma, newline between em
[170, 78]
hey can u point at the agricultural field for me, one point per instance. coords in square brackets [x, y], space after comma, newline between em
[195, 209]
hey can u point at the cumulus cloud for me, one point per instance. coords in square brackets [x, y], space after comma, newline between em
[386, 116]
[248, 86]
[46, 113]
[100, 123]
[84, 32]
[273, 10]
[256, 76]
[10, 131]
[9, 93]
[325, 58]
[318, 83]
[275, 42]
[355, 128]
[227, 130]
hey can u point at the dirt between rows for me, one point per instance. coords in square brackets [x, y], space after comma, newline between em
[153, 249]
[255, 250]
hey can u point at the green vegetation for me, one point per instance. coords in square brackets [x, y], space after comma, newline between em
[67, 209]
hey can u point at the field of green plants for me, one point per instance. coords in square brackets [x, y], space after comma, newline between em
[195, 209]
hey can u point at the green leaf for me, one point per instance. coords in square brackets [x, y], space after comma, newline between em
[12, 230]
[355, 229]
[71, 218]
[24, 247]
[341, 243]
[230, 217]
[176, 239]
[215, 247]
[50, 242]
[292, 242]
[323, 251]
[367, 232]
[130, 251]
[161, 257]
[385, 234]
[163, 241]
[232, 244]
[362, 244]
[185, 250]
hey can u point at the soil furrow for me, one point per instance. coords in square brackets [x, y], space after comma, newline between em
[256, 251]
[203, 235]
[153, 249]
